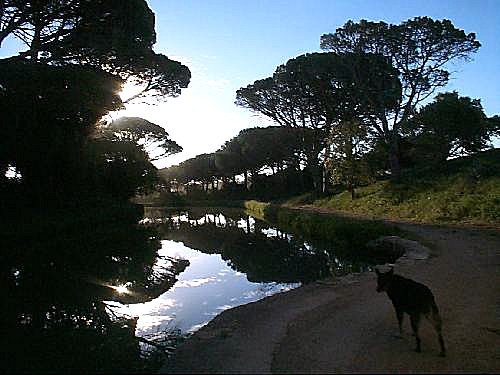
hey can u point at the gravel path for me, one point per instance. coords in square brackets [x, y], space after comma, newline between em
[347, 327]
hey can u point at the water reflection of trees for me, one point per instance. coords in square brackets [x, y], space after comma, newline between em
[54, 280]
[262, 252]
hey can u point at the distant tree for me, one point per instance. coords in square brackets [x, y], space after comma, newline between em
[153, 138]
[450, 126]
[200, 169]
[320, 90]
[419, 48]
[255, 150]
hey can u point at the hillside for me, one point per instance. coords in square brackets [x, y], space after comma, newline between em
[465, 190]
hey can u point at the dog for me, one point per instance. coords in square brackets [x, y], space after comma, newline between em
[413, 298]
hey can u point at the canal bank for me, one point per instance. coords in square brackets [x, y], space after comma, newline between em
[347, 327]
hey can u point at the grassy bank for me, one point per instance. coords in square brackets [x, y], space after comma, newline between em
[463, 190]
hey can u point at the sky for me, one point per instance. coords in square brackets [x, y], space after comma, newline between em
[228, 44]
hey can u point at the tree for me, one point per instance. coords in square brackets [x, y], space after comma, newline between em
[48, 114]
[113, 35]
[494, 125]
[450, 126]
[153, 138]
[118, 169]
[419, 48]
[53, 93]
[37, 22]
[348, 143]
[319, 90]
[256, 149]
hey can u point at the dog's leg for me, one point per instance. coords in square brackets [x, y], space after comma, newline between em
[415, 322]
[400, 316]
[436, 321]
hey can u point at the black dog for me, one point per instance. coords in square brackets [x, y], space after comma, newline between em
[412, 298]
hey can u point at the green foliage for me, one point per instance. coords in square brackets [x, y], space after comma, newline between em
[461, 190]
[79, 53]
[418, 48]
[316, 91]
[48, 113]
[257, 208]
[322, 88]
[252, 150]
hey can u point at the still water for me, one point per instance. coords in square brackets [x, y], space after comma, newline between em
[207, 287]
[80, 292]
[234, 259]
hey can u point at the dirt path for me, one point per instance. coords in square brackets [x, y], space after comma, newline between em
[348, 327]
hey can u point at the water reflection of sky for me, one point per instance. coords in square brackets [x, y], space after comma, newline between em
[207, 287]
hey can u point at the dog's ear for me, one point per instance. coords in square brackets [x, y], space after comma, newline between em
[377, 271]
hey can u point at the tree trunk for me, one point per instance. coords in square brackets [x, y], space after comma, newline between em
[245, 175]
[37, 34]
[394, 158]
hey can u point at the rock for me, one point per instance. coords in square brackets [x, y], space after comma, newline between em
[411, 250]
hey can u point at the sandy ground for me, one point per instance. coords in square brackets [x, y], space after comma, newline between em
[346, 326]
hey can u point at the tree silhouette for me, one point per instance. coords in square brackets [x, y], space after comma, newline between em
[449, 126]
[320, 90]
[112, 35]
[419, 48]
[153, 138]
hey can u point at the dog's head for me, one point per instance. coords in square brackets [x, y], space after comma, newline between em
[384, 279]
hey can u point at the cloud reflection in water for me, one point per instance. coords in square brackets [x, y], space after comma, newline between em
[207, 287]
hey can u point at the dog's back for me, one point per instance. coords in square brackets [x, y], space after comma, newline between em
[410, 296]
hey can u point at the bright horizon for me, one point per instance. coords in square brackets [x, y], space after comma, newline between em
[230, 44]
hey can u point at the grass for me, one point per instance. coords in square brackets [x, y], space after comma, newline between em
[464, 190]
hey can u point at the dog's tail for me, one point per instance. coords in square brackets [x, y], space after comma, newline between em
[434, 315]
[436, 321]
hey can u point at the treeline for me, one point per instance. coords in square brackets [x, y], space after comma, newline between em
[353, 113]
[258, 159]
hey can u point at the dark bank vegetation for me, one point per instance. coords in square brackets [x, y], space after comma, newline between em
[70, 234]
[351, 236]
[270, 244]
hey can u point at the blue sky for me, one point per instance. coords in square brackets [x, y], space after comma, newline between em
[228, 44]
[231, 43]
